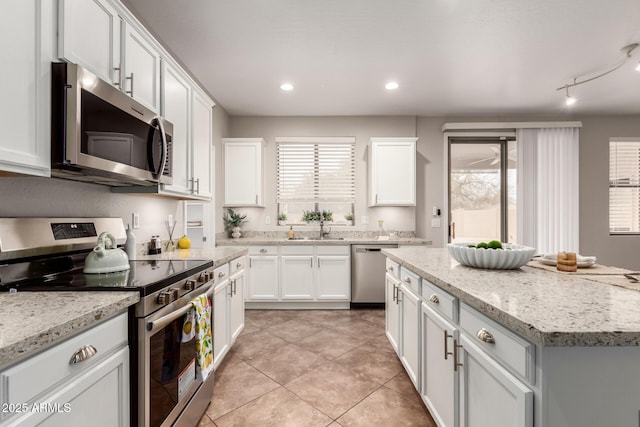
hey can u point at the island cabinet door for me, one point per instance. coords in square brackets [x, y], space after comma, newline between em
[392, 310]
[489, 394]
[439, 378]
[410, 333]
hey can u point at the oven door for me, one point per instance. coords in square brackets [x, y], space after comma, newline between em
[167, 362]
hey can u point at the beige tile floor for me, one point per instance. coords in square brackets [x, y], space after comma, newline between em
[314, 368]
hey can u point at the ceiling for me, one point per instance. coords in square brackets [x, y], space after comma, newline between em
[450, 57]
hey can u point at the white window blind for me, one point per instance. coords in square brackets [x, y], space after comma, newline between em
[624, 186]
[315, 170]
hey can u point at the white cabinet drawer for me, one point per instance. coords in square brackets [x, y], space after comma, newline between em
[440, 300]
[510, 349]
[334, 250]
[21, 383]
[393, 268]
[221, 274]
[263, 250]
[237, 264]
[296, 250]
[410, 280]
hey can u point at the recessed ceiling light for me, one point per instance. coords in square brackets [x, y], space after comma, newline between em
[286, 87]
[391, 86]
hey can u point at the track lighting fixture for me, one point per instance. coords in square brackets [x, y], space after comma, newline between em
[627, 51]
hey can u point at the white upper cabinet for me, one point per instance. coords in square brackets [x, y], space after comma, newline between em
[89, 35]
[243, 171]
[94, 34]
[26, 87]
[141, 68]
[202, 181]
[392, 170]
[176, 107]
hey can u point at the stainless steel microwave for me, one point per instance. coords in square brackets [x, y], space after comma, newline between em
[102, 135]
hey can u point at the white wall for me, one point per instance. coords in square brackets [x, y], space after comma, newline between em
[363, 128]
[51, 197]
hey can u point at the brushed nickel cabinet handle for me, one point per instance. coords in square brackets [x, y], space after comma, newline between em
[83, 353]
[456, 346]
[119, 81]
[485, 336]
[447, 353]
[130, 92]
[434, 299]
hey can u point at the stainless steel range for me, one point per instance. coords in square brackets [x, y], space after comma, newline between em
[47, 254]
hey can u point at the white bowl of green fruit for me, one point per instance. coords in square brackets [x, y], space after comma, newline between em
[491, 255]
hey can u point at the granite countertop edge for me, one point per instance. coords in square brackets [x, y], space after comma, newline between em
[545, 338]
[88, 309]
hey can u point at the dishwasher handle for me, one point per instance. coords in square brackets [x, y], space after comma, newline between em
[363, 250]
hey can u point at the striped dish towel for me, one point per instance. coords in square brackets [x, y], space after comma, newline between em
[204, 341]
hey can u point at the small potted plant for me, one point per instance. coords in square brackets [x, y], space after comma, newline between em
[349, 218]
[232, 221]
[311, 216]
[282, 218]
[327, 216]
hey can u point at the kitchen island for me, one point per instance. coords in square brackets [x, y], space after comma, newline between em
[524, 347]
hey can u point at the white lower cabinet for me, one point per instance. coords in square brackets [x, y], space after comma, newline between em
[410, 305]
[299, 276]
[263, 275]
[228, 307]
[334, 277]
[489, 394]
[50, 390]
[439, 386]
[392, 311]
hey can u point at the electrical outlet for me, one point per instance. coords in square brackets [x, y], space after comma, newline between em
[135, 220]
[267, 220]
[364, 220]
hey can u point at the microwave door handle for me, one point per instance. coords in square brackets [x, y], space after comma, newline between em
[163, 160]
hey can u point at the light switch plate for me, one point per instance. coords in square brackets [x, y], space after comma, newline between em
[364, 220]
[267, 220]
[135, 220]
[435, 222]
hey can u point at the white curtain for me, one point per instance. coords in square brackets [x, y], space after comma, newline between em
[548, 217]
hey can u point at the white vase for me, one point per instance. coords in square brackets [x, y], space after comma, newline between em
[235, 232]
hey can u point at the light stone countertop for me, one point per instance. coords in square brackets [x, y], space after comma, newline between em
[33, 321]
[548, 308]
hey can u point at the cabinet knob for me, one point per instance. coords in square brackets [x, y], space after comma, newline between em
[83, 353]
[407, 279]
[221, 274]
[390, 268]
[485, 336]
[238, 265]
[263, 251]
[434, 299]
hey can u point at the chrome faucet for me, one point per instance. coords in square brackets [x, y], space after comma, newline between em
[322, 232]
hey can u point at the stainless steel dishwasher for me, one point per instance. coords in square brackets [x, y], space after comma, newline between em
[367, 275]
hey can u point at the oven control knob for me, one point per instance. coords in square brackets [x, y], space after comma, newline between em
[190, 285]
[164, 297]
[204, 277]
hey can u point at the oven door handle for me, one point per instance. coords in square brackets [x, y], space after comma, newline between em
[165, 320]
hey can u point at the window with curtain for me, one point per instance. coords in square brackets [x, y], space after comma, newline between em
[316, 174]
[624, 186]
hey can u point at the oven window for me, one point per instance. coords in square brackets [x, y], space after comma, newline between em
[172, 369]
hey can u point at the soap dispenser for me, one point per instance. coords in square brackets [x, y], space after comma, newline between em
[130, 244]
[290, 233]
